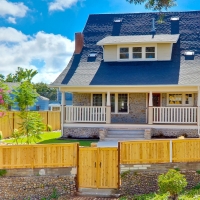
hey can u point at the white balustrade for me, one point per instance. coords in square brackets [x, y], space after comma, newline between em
[183, 115]
[85, 114]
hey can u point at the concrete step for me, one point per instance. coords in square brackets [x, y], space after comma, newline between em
[124, 136]
[126, 131]
[98, 192]
[122, 139]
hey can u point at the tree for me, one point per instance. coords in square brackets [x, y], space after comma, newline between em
[25, 95]
[21, 75]
[30, 125]
[44, 90]
[173, 182]
[156, 5]
[2, 77]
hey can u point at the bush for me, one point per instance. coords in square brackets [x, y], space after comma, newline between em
[3, 172]
[49, 127]
[173, 182]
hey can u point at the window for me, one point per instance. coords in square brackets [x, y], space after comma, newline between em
[180, 99]
[97, 99]
[137, 52]
[122, 102]
[150, 52]
[124, 53]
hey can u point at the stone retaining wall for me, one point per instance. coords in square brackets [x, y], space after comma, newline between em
[142, 179]
[192, 133]
[37, 184]
[81, 132]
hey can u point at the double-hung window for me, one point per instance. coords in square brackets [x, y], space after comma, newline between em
[124, 53]
[150, 52]
[137, 52]
[122, 103]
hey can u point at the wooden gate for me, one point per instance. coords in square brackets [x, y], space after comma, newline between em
[98, 167]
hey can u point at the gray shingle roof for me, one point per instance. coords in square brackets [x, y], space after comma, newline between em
[163, 38]
[180, 70]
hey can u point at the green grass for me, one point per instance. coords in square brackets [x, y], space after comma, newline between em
[52, 138]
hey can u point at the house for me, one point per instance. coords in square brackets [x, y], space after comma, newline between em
[130, 71]
[41, 103]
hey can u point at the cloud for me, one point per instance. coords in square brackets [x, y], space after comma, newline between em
[12, 9]
[11, 35]
[61, 4]
[11, 20]
[46, 53]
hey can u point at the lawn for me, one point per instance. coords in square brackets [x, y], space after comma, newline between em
[52, 138]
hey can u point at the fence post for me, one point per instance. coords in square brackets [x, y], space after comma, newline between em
[170, 151]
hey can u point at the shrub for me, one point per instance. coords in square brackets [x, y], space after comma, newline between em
[3, 172]
[173, 182]
[49, 127]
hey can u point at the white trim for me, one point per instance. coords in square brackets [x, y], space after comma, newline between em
[183, 99]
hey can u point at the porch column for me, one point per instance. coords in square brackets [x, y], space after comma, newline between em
[62, 112]
[150, 113]
[108, 109]
[198, 116]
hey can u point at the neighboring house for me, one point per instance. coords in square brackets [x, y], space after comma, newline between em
[42, 103]
[130, 71]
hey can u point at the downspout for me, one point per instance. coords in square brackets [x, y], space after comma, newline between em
[62, 113]
[198, 111]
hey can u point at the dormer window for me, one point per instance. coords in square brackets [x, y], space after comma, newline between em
[137, 52]
[124, 53]
[150, 52]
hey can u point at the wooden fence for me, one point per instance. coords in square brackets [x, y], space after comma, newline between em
[160, 151]
[11, 120]
[37, 156]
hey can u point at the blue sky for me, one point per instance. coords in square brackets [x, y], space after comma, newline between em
[39, 34]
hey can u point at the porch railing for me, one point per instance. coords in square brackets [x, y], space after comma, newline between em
[187, 115]
[85, 114]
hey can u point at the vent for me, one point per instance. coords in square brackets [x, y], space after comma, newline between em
[189, 53]
[174, 18]
[117, 20]
[92, 55]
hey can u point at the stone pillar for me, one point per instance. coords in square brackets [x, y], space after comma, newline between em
[63, 103]
[108, 109]
[150, 113]
[147, 134]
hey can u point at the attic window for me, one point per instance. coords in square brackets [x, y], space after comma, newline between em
[174, 18]
[92, 55]
[189, 53]
[117, 20]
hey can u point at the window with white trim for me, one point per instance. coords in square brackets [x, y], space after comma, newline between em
[122, 103]
[150, 52]
[124, 53]
[97, 99]
[139, 53]
[180, 99]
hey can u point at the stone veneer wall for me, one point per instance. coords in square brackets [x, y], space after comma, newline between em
[37, 183]
[81, 132]
[195, 99]
[192, 133]
[142, 179]
[137, 110]
[81, 99]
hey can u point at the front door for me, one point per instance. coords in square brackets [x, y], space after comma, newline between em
[156, 99]
[98, 167]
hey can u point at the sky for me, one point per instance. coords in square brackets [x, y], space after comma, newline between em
[39, 34]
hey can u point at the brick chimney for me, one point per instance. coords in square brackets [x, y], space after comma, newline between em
[79, 40]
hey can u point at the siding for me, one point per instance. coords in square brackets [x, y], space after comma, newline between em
[164, 51]
[110, 53]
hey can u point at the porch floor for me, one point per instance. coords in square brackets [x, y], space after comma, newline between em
[132, 126]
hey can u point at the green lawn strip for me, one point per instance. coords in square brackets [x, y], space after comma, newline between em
[52, 138]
